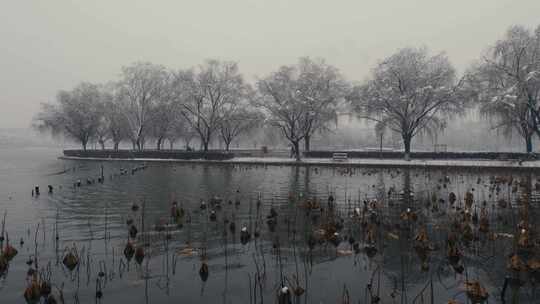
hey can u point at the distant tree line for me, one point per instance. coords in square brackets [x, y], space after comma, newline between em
[410, 92]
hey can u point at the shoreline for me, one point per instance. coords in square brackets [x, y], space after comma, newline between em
[326, 162]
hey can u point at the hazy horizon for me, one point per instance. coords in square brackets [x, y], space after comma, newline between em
[49, 46]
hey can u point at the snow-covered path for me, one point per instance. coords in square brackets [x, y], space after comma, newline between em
[353, 162]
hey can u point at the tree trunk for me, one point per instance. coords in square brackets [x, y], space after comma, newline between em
[116, 143]
[296, 147]
[407, 143]
[206, 140]
[528, 143]
[159, 143]
[102, 144]
[307, 142]
[139, 143]
[83, 145]
[227, 145]
[170, 144]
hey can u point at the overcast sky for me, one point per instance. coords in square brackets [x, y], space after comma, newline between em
[51, 45]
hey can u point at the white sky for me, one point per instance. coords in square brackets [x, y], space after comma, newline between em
[47, 45]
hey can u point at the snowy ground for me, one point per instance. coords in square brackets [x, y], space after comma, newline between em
[356, 162]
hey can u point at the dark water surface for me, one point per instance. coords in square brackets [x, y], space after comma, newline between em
[92, 218]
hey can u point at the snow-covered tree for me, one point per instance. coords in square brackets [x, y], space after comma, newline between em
[76, 115]
[140, 88]
[321, 88]
[508, 82]
[282, 101]
[410, 92]
[206, 92]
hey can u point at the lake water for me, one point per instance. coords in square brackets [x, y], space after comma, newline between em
[92, 218]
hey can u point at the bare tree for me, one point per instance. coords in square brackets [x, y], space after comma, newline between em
[141, 85]
[321, 88]
[77, 114]
[176, 131]
[114, 125]
[238, 120]
[508, 81]
[117, 123]
[411, 92]
[166, 114]
[163, 124]
[284, 105]
[102, 132]
[206, 92]
[187, 135]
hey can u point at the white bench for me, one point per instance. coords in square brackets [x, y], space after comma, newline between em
[339, 156]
